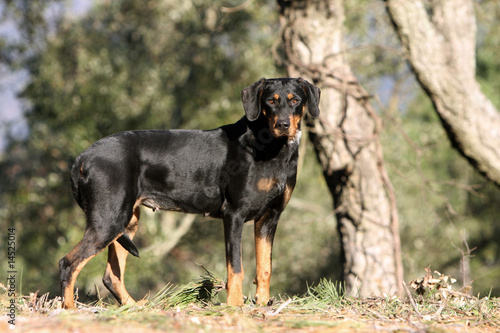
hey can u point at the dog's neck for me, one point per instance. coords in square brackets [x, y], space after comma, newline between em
[265, 146]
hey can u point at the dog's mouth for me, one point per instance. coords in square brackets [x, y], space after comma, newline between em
[288, 128]
[292, 136]
[279, 133]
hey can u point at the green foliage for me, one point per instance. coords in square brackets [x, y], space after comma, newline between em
[372, 48]
[488, 62]
[135, 65]
[444, 206]
[165, 64]
[126, 65]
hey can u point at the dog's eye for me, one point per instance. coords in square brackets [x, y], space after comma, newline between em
[295, 101]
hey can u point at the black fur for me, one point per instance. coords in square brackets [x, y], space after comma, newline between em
[239, 172]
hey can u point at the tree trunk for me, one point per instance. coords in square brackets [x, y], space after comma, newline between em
[439, 41]
[345, 137]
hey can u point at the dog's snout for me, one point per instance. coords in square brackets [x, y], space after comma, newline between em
[283, 124]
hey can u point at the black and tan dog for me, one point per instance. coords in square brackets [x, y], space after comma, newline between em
[239, 172]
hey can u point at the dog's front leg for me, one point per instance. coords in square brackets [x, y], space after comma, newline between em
[233, 227]
[264, 230]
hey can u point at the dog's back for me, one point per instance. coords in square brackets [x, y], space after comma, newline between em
[169, 169]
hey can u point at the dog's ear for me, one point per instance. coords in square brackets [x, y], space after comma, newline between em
[250, 96]
[313, 93]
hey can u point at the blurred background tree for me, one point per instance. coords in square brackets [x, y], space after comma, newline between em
[346, 138]
[164, 64]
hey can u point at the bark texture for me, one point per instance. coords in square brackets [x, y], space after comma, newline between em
[439, 38]
[345, 137]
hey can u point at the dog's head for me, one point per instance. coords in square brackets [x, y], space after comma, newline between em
[282, 103]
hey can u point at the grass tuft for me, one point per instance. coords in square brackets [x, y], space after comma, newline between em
[202, 292]
[327, 292]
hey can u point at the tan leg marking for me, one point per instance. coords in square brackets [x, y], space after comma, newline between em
[117, 259]
[263, 253]
[234, 286]
[69, 290]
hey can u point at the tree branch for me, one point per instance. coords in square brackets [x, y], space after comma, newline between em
[441, 51]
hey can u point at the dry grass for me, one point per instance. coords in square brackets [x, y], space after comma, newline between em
[196, 308]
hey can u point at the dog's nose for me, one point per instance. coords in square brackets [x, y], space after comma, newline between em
[283, 124]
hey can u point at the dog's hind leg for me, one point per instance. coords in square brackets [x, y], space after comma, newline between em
[106, 221]
[114, 277]
[70, 266]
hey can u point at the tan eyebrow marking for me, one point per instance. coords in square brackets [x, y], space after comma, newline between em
[276, 96]
[290, 96]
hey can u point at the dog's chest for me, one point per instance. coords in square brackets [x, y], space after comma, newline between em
[269, 184]
[270, 179]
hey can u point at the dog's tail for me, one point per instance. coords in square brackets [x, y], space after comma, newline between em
[128, 245]
[76, 172]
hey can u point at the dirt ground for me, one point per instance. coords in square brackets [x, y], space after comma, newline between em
[256, 320]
